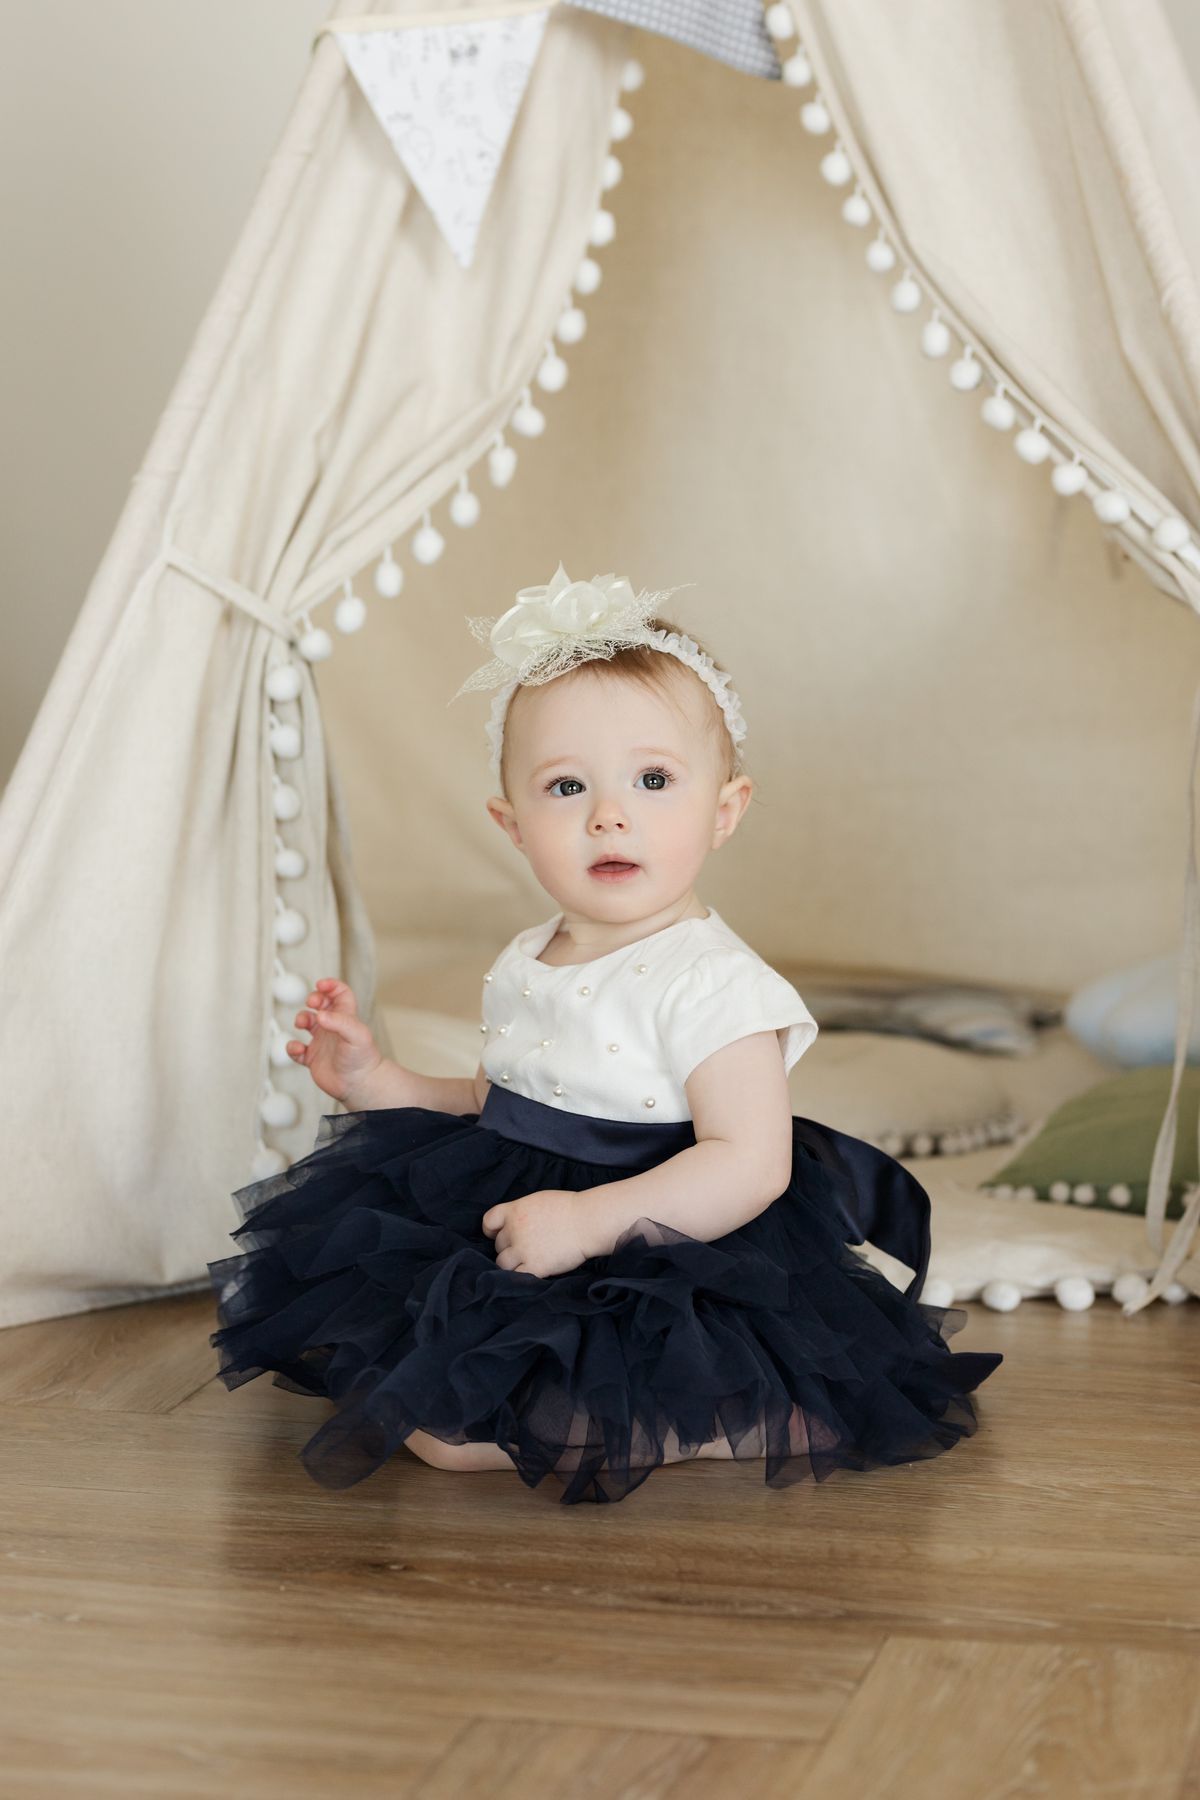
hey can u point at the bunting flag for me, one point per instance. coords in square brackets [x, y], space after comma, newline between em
[447, 95]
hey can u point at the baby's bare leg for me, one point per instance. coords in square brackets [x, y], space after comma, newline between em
[479, 1457]
[457, 1456]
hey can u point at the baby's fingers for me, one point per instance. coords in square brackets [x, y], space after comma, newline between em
[330, 993]
[343, 1025]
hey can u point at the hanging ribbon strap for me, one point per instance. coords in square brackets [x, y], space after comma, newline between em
[1164, 1149]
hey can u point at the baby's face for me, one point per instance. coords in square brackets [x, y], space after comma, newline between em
[600, 767]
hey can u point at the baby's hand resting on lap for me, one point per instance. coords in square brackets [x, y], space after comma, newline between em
[342, 1050]
[538, 1234]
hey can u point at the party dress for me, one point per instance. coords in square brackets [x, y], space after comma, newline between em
[365, 1277]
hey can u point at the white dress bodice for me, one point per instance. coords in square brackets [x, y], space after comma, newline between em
[616, 1037]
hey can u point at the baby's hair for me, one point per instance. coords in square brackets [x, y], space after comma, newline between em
[655, 669]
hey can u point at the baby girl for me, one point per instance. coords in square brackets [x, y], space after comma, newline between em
[614, 1246]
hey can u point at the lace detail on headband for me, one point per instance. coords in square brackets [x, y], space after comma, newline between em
[558, 626]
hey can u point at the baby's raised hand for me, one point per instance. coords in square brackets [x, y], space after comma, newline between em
[342, 1050]
[538, 1234]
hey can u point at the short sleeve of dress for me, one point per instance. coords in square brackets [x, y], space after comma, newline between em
[725, 994]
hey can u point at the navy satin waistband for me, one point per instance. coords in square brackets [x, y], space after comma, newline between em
[624, 1143]
[879, 1200]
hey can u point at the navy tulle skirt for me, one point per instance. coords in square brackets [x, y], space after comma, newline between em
[367, 1279]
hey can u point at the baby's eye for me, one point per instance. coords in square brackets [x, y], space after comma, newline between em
[662, 778]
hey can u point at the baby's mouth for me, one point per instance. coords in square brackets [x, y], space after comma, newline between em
[612, 865]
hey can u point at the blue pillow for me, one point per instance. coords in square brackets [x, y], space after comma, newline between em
[1130, 1016]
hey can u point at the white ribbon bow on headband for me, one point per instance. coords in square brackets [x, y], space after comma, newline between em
[556, 627]
[562, 623]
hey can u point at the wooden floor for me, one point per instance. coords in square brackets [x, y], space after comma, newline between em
[186, 1613]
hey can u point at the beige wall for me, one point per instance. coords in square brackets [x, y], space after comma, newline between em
[132, 139]
[983, 779]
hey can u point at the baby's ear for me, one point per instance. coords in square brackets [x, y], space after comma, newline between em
[501, 810]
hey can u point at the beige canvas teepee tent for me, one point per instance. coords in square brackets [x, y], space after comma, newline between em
[968, 700]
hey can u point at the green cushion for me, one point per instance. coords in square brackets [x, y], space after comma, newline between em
[1105, 1138]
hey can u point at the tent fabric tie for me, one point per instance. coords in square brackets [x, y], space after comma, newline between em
[233, 591]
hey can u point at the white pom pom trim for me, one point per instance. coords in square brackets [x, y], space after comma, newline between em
[1170, 535]
[284, 682]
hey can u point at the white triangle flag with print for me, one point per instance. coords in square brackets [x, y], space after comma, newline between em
[447, 95]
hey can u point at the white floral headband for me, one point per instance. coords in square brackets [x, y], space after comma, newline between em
[556, 627]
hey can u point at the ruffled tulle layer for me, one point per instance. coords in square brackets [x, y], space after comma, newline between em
[366, 1278]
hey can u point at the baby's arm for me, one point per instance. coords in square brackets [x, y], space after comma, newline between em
[390, 1084]
[741, 1160]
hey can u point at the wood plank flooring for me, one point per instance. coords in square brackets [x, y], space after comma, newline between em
[185, 1613]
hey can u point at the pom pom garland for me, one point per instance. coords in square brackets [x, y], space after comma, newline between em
[284, 681]
[316, 644]
[1030, 444]
[1171, 535]
[1069, 477]
[779, 21]
[528, 419]
[291, 926]
[965, 373]
[285, 800]
[572, 323]
[350, 613]
[389, 576]
[588, 276]
[835, 167]
[604, 229]
[797, 70]
[552, 371]
[880, 255]
[1111, 506]
[906, 294]
[1075, 1293]
[278, 1109]
[288, 988]
[290, 863]
[998, 410]
[428, 543]
[267, 1161]
[465, 507]
[502, 463]
[283, 741]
